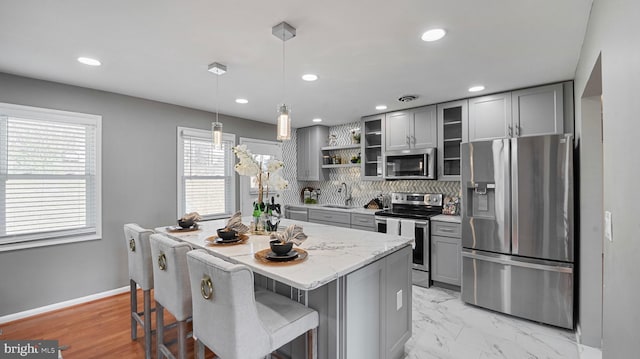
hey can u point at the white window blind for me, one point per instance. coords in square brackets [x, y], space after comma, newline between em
[49, 176]
[206, 182]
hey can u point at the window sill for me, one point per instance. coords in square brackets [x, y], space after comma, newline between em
[46, 242]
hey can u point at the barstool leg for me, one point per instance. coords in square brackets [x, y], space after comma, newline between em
[147, 324]
[159, 330]
[134, 308]
[312, 343]
[199, 349]
[182, 339]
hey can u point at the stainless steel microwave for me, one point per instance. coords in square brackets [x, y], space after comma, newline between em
[410, 164]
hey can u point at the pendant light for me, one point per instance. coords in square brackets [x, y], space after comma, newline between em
[284, 32]
[216, 127]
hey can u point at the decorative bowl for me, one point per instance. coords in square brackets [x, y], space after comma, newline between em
[186, 223]
[227, 234]
[279, 248]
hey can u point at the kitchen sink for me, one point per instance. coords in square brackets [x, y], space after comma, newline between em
[336, 206]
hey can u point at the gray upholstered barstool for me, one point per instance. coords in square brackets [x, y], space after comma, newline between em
[171, 290]
[236, 323]
[140, 274]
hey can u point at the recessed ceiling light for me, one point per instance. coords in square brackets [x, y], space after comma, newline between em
[381, 107]
[89, 61]
[242, 100]
[309, 77]
[433, 35]
[476, 88]
[317, 120]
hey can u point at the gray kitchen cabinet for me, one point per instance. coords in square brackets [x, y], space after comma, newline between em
[296, 213]
[371, 148]
[411, 129]
[528, 112]
[310, 140]
[452, 131]
[446, 254]
[490, 117]
[538, 111]
[328, 217]
[382, 287]
[366, 222]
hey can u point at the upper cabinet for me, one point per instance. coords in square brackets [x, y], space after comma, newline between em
[452, 130]
[371, 142]
[309, 142]
[538, 111]
[529, 112]
[411, 129]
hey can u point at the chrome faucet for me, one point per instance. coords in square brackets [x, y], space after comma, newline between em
[347, 196]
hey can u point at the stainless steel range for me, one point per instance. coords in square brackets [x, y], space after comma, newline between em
[418, 208]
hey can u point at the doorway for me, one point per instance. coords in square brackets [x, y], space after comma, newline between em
[591, 196]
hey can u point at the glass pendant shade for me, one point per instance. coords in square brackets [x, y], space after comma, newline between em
[216, 128]
[284, 123]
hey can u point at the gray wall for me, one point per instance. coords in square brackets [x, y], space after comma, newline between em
[138, 185]
[613, 32]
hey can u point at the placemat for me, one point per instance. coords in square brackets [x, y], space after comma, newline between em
[261, 257]
[212, 240]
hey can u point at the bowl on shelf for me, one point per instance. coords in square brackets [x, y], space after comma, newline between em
[280, 248]
[227, 234]
[186, 223]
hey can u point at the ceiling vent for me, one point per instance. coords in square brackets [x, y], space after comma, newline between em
[407, 98]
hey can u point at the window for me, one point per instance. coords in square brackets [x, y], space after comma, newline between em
[206, 182]
[49, 177]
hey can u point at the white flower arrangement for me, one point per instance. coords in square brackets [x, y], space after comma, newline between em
[248, 166]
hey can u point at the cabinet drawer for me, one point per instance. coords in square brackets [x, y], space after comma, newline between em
[363, 220]
[445, 229]
[320, 215]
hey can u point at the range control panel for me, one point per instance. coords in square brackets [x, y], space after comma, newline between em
[425, 199]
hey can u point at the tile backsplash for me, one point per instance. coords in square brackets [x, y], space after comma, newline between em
[361, 191]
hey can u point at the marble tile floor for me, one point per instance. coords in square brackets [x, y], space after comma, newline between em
[445, 327]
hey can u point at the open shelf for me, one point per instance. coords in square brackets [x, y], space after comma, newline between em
[374, 146]
[457, 139]
[343, 147]
[452, 159]
[452, 123]
[342, 165]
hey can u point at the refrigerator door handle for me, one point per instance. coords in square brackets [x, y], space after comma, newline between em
[505, 260]
[514, 197]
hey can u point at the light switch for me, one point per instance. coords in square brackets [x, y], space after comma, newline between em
[608, 231]
[399, 300]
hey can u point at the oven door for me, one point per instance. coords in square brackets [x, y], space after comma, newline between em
[421, 250]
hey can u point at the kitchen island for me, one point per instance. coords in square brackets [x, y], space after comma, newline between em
[358, 281]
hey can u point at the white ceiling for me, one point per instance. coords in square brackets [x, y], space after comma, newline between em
[366, 52]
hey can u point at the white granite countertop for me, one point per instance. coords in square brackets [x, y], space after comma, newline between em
[359, 209]
[333, 251]
[447, 218]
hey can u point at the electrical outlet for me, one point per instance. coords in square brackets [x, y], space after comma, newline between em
[608, 231]
[399, 300]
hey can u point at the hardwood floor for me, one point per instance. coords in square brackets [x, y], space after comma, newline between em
[98, 329]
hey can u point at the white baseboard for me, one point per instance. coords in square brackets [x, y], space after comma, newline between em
[65, 304]
[587, 352]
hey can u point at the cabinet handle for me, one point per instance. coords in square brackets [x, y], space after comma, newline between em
[408, 140]
[509, 131]
[517, 130]
[414, 139]
[448, 230]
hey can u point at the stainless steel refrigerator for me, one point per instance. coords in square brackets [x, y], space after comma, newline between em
[517, 227]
